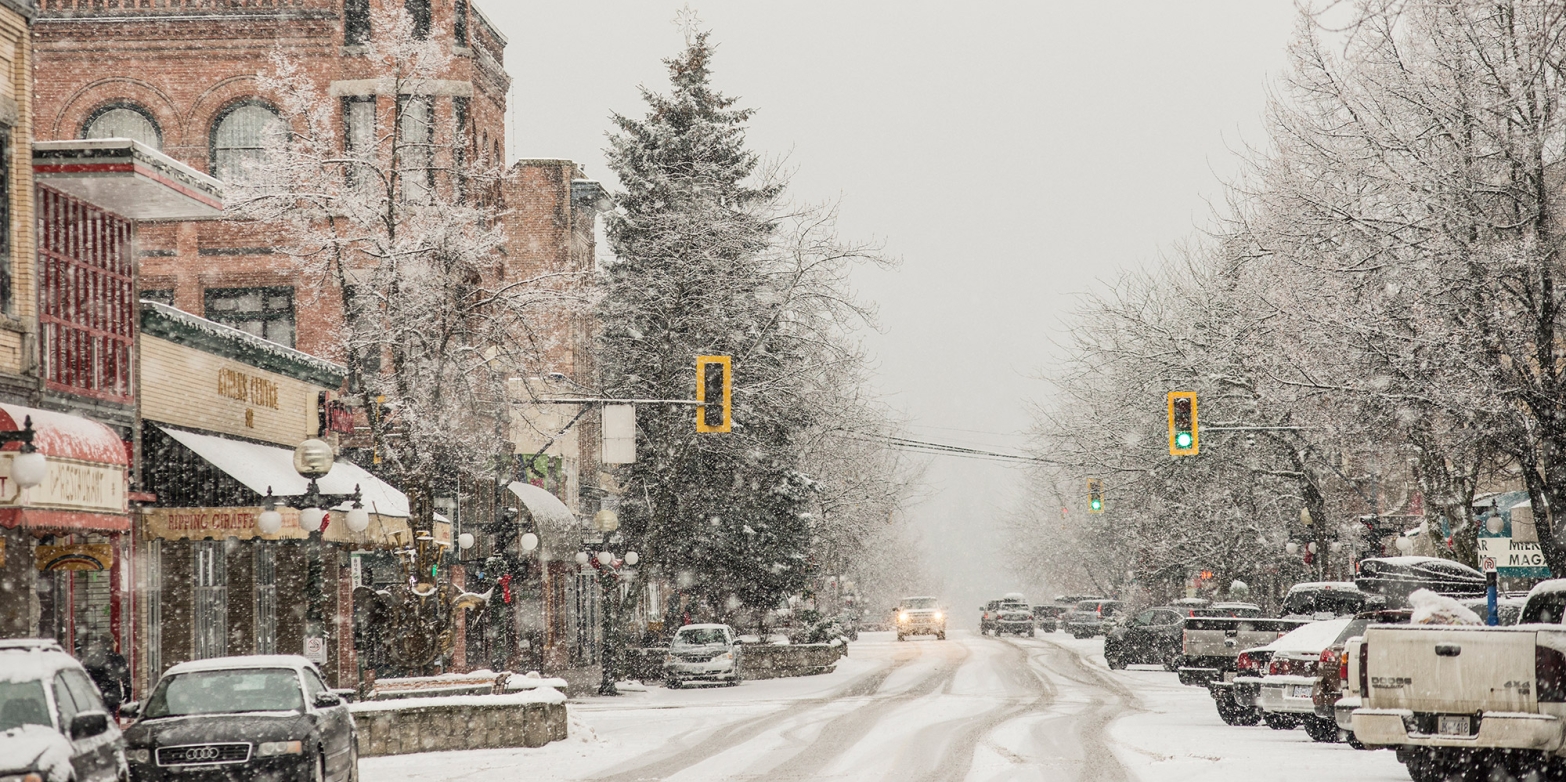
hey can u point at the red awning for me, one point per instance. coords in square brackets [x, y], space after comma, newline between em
[65, 435]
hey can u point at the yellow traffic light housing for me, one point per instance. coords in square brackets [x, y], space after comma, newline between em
[1183, 437]
[714, 393]
[1095, 491]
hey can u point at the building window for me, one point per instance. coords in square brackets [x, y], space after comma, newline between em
[123, 120]
[265, 312]
[460, 108]
[415, 131]
[211, 598]
[356, 22]
[7, 300]
[164, 296]
[359, 134]
[239, 139]
[266, 597]
[365, 363]
[420, 11]
[459, 23]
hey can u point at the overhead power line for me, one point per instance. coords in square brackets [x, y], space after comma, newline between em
[944, 449]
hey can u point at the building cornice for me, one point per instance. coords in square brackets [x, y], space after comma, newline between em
[165, 322]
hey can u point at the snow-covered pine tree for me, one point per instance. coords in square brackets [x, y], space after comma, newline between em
[699, 268]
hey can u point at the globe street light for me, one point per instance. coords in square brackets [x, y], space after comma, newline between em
[610, 570]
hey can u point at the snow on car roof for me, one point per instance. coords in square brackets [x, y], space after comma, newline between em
[293, 661]
[1312, 637]
[704, 627]
[1549, 585]
[1347, 586]
[25, 665]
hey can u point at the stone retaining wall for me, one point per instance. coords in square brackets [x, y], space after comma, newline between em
[437, 727]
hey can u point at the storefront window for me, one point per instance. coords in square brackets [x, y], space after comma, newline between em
[266, 597]
[211, 599]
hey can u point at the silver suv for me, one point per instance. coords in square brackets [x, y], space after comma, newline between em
[50, 710]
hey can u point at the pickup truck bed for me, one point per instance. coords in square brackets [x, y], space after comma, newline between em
[1211, 644]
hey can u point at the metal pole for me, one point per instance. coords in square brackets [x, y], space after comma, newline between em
[606, 577]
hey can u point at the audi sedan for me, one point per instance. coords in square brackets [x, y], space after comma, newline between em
[257, 719]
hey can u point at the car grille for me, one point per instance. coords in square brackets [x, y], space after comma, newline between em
[203, 754]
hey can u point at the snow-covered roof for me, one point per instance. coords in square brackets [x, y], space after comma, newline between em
[260, 467]
[23, 665]
[1346, 586]
[290, 661]
[538, 695]
[1312, 637]
[165, 322]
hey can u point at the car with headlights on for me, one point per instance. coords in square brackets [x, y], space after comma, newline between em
[258, 719]
[705, 652]
[53, 724]
[920, 616]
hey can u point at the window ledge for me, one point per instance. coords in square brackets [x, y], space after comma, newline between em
[13, 323]
[356, 50]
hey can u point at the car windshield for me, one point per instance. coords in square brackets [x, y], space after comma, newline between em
[23, 703]
[226, 692]
[700, 637]
[919, 603]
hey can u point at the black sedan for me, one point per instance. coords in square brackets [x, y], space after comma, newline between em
[242, 718]
[1152, 637]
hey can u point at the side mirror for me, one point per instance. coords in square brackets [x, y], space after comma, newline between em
[347, 694]
[88, 724]
[326, 700]
[130, 710]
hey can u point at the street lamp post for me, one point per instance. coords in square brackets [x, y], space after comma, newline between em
[313, 459]
[610, 568]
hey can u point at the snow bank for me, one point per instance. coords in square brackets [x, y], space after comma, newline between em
[532, 681]
[1433, 609]
[40, 747]
[539, 695]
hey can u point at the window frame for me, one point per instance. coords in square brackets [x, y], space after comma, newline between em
[350, 148]
[146, 114]
[423, 13]
[426, 145]
[460, 23]
[217, 124]
[357, 26]
[264, 314]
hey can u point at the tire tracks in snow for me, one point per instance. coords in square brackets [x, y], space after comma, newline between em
[1091, 726]
[740, 732]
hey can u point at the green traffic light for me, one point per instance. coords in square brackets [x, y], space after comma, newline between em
[1097, 504]
[1183, 439]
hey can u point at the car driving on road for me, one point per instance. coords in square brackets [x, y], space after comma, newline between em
[1091, 617]
[705, 652]
[249, 718]
[53, 723]
[920, 616]
[989, 619]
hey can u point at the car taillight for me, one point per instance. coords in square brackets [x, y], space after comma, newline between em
[1364, 669]
[1549, 674]
[1342, 667]
[1244, 663]
[1099, 610]
[1275, 668]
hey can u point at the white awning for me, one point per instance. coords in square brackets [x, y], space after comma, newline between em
[260, 467]
[557, 525]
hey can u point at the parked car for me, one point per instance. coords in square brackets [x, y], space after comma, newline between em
[1236, 695]
[1091, 617]
[920, 616]
[1323, 600]
[1151, 637]
[1237, 610]
[706, 652]
[989, 621]
[1047, 617]
[1290, 683]
[53, 723]
[1468, 700]
[1395, 578]
[259, 717]
[1210, 645]
[1332, 675]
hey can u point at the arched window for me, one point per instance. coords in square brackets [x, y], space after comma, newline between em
[124, 121]
[240, 136]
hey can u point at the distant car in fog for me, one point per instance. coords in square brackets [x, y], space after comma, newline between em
[989, 620]
[1091, 617]
[920, 616]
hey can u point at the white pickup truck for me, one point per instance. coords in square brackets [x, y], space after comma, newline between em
[1468, 699]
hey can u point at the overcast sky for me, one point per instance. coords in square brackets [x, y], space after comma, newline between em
[1011, 154]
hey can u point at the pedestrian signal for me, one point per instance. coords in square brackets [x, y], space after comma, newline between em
[1095, 488]
[1182, 424]
[714, 393]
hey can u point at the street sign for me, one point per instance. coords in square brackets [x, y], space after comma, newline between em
[619, 434]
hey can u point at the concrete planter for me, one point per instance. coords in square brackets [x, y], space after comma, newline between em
[456, 723]
[760, 661]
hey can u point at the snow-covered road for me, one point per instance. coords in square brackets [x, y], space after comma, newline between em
[969, 708]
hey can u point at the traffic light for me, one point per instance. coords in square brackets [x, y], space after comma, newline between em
[1182, 424]
[714, 393]
[1095, 489]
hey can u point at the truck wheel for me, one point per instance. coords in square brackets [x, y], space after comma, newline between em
[1323, 731]
[673, 684]
[1280, 721]
[1115, 661]
[1172, 663]
[1232, 714]
[941, 636]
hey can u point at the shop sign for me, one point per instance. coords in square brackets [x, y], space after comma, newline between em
[315, 650]
[198, 523]
[442, 533]
[1513, 558]
[72, 484]
[94, 556]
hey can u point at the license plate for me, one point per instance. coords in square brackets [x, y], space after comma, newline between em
[1299, 691]
[1450, 725]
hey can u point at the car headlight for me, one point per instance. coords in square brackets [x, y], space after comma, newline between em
[270, 748]
[902, 617]
[31, 776]
[724, 656]
[939, 615]
[139, 755]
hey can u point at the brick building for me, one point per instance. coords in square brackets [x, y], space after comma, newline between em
[181, 76]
